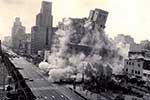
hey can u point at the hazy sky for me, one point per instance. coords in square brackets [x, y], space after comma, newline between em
[130, 17]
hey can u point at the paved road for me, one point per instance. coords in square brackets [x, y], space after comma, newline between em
[40, 86]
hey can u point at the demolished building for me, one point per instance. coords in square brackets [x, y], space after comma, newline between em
[81, 43]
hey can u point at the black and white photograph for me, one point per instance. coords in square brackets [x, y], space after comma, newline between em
[74, 50]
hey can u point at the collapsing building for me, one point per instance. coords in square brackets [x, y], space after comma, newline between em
[81, 44]
[75, 49]
[99, 17]
[96, 17]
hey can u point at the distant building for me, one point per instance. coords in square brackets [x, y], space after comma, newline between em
[41, 33]
[7, 41]
[98, 16]
[135, 48]
[26, 45]
[17, 34]
[125, 39]
[71, 23]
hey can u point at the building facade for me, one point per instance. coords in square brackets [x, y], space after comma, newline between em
[17, 34]
[134, 67]
[138, 68]
[98, 16]
[41, 33]
[26, 45]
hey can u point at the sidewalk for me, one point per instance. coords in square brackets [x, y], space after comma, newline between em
[91, 96]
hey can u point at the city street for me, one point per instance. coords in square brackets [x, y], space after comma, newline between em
[40, 86]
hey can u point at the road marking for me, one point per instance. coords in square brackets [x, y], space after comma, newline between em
[45, 97]
[62, 96]
[53, 96]
[38, 79]
[41, 88]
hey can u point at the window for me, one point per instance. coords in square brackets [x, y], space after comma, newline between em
[135, 72]
[132, 64]
[71, 48]
[139, 65]
[76, 49]
[127, 70]
[132, 71]
[127, 63]
[138, 72]
[145, 74]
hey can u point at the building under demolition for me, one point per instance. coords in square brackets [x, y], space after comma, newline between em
[76, 27]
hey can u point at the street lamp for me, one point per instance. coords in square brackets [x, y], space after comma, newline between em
[74, 82]
[83, 71]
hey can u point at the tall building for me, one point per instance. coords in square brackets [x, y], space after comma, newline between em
[17, 34]
[41, 33]
[98, 16]
[26, 45]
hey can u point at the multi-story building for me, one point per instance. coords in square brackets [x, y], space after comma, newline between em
[26, 45]
[98, 16]
[134, 67]
[17, 34]
[137, 63]
[41, 33]
[77, 28]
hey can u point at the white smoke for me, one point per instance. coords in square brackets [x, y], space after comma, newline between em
[44, 66]
[103, 57]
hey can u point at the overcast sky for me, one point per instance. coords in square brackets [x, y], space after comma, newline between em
[131, 17]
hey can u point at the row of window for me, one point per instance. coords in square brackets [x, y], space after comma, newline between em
[146, 75]
[132, 63]
[134, 72]
[138, 72]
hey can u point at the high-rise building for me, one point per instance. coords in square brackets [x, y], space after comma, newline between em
[17, 34]
[41, 33]
[98, 16]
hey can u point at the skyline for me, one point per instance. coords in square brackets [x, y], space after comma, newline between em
[125, 17]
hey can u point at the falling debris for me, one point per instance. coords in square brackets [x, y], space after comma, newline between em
[81, 45]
